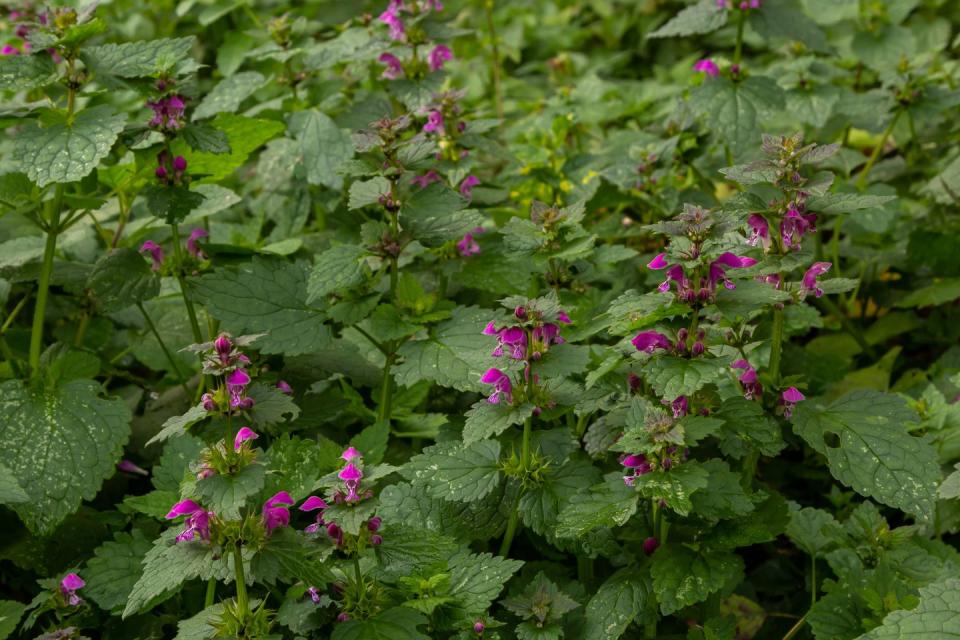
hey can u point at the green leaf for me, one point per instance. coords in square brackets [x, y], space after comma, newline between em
[271, 406]
[244, 135]
[453, 355]
[367, 192]
[177, 425]
[168, 565]
[10, 489]
[60, 444]
[813, 530]
[438, 230]
[338, 268]
[486, 420]
[228, 94]
[542, 605]
[672, 377]
[934, 618]
[399, 623]
[137, 59]
[121, 278]
[837, 203]
[748, 297]
[290, 556]
[10, 611]
[476, 579]
[702, 17]
[452, 471]
[265, 296]
[780, 19]
[747, 426]
[736, 109]
[296, 464]
[203, 137]
[941, 291]
[683, 576]
[481, 520]
[324, 145]
[226, 493]
[155, 504]
[723, 496]
[65, 151]
[762, 525]
[951, 484]
[407, 549]
[541, 505]
[868, 448]
[617, 603]
[674, 486]
[114, 568]
[372, 442]
[609, 504]
[171, 203]
[24, 73]
[201, 626]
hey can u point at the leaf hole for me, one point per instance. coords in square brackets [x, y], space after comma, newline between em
[832, 440]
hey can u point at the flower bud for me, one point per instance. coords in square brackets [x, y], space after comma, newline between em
[180, 164]
[209, 404]
[343, 616]
[697, 348]
[520, 313]
[478, 627]
[374, 524]
[650, 545]
[223, 345]
[376, 540]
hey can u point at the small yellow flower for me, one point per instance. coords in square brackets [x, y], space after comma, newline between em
[566, 186]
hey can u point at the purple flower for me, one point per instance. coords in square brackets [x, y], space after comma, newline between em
[426, 179]
[501, 385]
[563, 317]
[129, 467]
[789, 400]
[197, 522]
[193, 246]
[69, 586]
[394, 68]
[650, 545]
[436, 5]
[748, 379]
[350, 454]
[373, 524]
[467, 246]
[810, 284]
[759, 231]
[275, 512]
[639, 465]
[223, 347]
[167, 113]
[343, 616]
[467, 185]
[659, 262]
[9, 50]
[391, 18]
[284, 387]
[707, 66]
[650, 341]
[440, 54]
[543, 336]
[376, 539]
[794, 226]
[314, 594]
[335, 532]
[513, 337]
[680, 407]
[351, 476]
[237, 380]
[156, 253]
[179, 164]
[718, 269]
[208, 403]
[313, 503]
[479, 627]
[434, 122]
[245, 433]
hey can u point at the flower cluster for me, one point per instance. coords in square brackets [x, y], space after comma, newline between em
[170, 172]
[639, 464]
[651, 341]
[276, 512]
[168, 112]
[69, 586]
[743, 5]
[222, 357]
[692, 289]
[413, 67]
[349, 493]
[157, 254]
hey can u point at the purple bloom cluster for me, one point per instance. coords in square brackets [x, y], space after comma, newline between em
[276, 512]
[170, 172]
[743, 5]
[651, 341]
[705, 289]
[168, 113]
[748, 379]
[69, 586]
[197, 522]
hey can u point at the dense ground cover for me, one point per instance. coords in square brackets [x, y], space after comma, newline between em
[476, 319]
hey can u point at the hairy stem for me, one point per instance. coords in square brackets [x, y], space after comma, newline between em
[795, 629]
[211, 593]
[776, 345]
[738, 50]
[494, 58]
[877, 151]
[178, 252]
[242, 606]
[386, 391]
[813, 580]
[43, 286]
[514, 521]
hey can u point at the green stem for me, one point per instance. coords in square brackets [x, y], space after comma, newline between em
[585, 570]
[178, 252]
[242, 606]
[43, 287]
[861, 340]
[776, 345]
[813, 581]
[741, 20]
[386, 391]
[495, 58]
[862, 178]
[163, 347]
[81, 329]
[211, 593]
[514, 521]
[795, 629]
[13, 314]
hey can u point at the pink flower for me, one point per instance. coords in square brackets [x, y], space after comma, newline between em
[748, 379]
[638, 464]
[391, 18]
[128, 466]
[467, 246]
[434, 122]
[313, 503]
[789, 399]
[502, 387]
[156, 253]
[197, 522]
[650, 545]
[193, 246]
[659, 262]
[440, 54]
[244, 434]
[760, 231]
[275, 512]
[707, 66]
[69, 586]
[426, 179]
[284, 387]
[467, 185]
[650, 341]
[809, 283]
[351, 476]
[394, 68]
